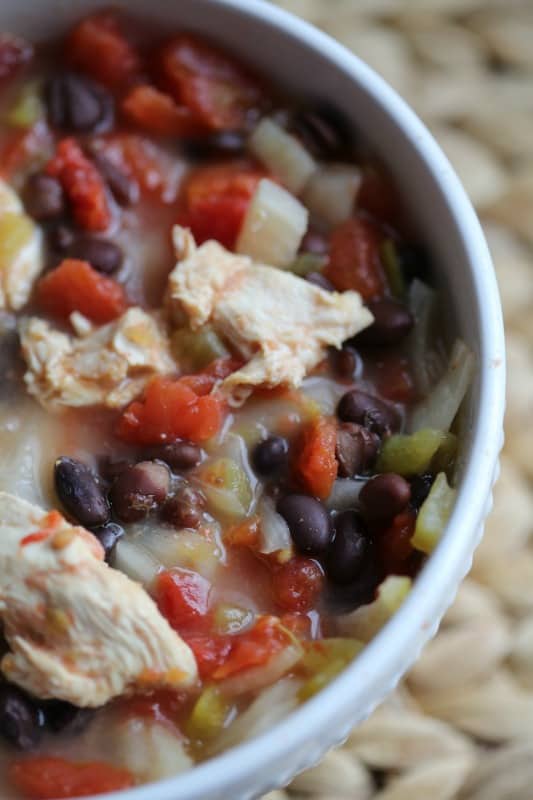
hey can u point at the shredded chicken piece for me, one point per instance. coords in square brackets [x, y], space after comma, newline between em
[77, 629]
[279, 322]
[109, 365]
[21, 251]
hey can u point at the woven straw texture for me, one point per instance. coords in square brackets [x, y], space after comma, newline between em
[461, 725]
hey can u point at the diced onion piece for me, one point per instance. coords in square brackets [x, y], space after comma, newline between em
[282, 154]
[230, 619]
[411, 454]
[345, 493]
[273, 227]
[185, 549]
[136, 561]
[426, 362]
[272, 705]
[439, 409]
[226, 488]
[255, 678]
[151, 750]
[330, 193]
[366, 621]
[433, 515]
[275, 534]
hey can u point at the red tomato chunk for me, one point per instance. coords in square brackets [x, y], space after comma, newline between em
[158, 113]
[83, 185]
[183, 597]
[49, 778]
[217, 89]
[76, 286]
[316, 464]
[354, 261]
[297, 584]
[172, 409]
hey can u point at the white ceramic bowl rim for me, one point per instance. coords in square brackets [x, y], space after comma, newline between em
[376, 669]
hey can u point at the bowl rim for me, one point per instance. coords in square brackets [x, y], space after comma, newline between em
[376, 670]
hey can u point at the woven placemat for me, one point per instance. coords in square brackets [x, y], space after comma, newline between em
[461, 724]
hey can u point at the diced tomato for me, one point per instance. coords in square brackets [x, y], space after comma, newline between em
[210, 652]
[218, 90]
[297, 584]
[253, 648]
[215, 200]
[49, 778]
[315, 467]
[76, 286]
[98, 47]
[354, 261]
[378, 196]
[395, 543]
[14, 53]
[394, 380]
[183, 597]
[83, 185]
[158, 113]
[145, 162]
[171, 409]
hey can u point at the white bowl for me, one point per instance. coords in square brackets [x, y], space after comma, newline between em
[310, 64]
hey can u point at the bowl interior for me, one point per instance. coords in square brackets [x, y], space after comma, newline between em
[310, 65]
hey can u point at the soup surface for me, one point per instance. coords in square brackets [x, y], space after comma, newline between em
[227, 412]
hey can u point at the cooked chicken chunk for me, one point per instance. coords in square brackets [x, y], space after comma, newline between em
[109, 365]
[279, 322]
[21, 251]
[77, 629]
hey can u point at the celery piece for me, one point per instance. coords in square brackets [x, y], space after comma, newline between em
[194, 350]
[409, 454]
[433, 515]
[232, 619]
[226, 488]
[323, 660]
[367, 620]
[28, 107]
[208, 715]
[307, 262]
[393, 269]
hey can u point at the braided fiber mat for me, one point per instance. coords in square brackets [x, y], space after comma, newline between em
[461, 724]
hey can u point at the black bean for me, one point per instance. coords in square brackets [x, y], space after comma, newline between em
[356, 449]
[79, 492]
[369, 411]
[384, 496]
[60, 716]
[414, 261]
[105, 256]
[61, 238]
[179, 455]
[108, 536]
[110, 468]
[317, 279]
[420, 488]
[124, 188]
[340, 598]
[78, 104]
[309, 522]
[324, 132]
[21, 722]
[270, 455]
[344, 361]
[349, 549]
[185, 508]
[139, 490]
[392, 323]
[43, 197]
[220, 143]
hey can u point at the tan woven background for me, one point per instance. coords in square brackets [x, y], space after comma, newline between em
[461, 725]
